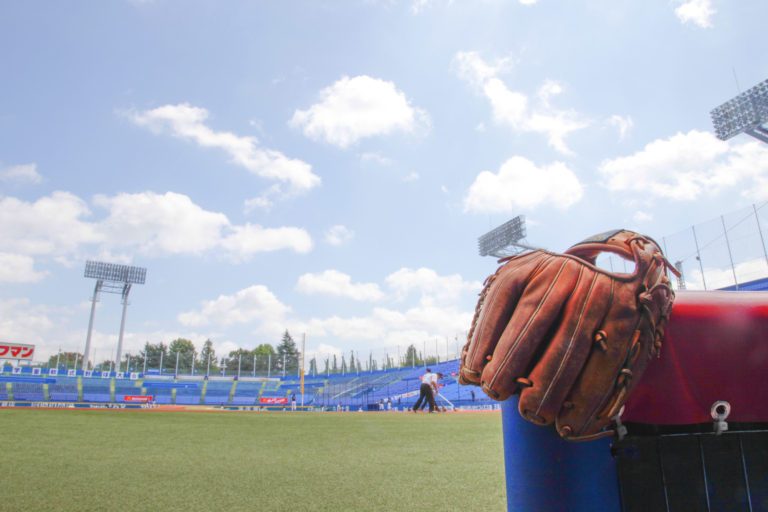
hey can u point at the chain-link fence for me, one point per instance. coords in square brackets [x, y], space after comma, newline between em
[724, 252]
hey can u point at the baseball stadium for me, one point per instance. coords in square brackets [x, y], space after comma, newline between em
[297, 439]
[384, 256]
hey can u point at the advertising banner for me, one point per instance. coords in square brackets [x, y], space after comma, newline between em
[137, 398]
[16, 351]
[273, 400]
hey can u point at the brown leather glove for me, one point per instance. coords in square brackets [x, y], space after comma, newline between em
[571, 338]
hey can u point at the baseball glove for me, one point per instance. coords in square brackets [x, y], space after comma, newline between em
[571, 338]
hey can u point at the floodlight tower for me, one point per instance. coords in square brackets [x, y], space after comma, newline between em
[111, 278]
[505, 240]
[747, 112]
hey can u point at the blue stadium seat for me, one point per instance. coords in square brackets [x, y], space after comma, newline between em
[63, 397]
[96, 397]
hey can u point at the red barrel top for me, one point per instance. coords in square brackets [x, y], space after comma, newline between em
[715, 348]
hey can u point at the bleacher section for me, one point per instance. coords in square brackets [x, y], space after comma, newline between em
[162, 391]
[217, 392]
[64, 390]
[190, 394]
[246, 393]
[125, 388]
[359, 390]
[32, 391]
[97, 390]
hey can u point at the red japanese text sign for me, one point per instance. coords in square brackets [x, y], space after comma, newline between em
[16, 351]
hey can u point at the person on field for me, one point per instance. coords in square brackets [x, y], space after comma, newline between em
[434, 395]
[428, 384]
[293, 401]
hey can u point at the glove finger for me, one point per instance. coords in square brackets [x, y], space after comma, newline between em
[497, 302]
[606, 377]
[531, 322]
[562, 361]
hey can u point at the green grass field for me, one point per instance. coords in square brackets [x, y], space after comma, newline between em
[167, 461]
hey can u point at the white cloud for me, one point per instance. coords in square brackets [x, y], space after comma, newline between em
[436, 314]
[256, 203]
[429, 284]
[252, 304]
[160, 224]
[419, 5]
[188, 122]
[622, 124]
[358, 107]
[470, 67]
[640, 217]
[338, 235]
[395, 327]
[375, 158]
[520, 184]
[17, 268]
[51, 225]
[514, 108]
[723, 277]
[145, 223]
[411, 177]
[26, 173]
[244, 241]
[333, 282]
[23, 322]
[698, 12]
[688, 166]
[171, 223]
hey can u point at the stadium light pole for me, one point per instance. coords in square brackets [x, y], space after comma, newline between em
[745, 113]
[505, 240]
[94, 299]
[111, 278]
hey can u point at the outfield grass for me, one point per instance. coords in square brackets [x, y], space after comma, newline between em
[165, 461]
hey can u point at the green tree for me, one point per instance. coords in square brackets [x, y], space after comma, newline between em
[207, 353]
[412, 357]
[353, 366]
[241, 357]
[152, 354]
[313, 366]
[287, 354]
[104, 366]
[67, 361]
[265, 354]
[185, 350]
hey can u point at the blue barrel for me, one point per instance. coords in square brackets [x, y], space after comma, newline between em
[546, 473]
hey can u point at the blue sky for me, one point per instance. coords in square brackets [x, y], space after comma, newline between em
[326, 167]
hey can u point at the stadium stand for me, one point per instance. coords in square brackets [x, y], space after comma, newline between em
[359, 390]
[246, 393]
[217, 392]
[64, 390]
[31, 391]
[190, 393]
[125, 388]
[96, 390]
[161, 391]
